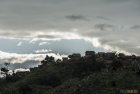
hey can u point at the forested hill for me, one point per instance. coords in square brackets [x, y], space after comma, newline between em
[94, 73]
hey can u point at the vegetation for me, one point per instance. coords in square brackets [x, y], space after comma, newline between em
[106, 73]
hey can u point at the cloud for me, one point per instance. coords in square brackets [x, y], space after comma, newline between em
[135, 27]
[20, 70]
[50, 34]
[43, 51]
[43, 43]
[25, 61]
[103, 18]
[24, 65]
[104, 27]
[76, 17]
[104, 36]
[21, 58]
[45, 20]
[19, 44]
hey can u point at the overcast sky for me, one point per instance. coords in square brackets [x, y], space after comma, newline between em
[30, 28]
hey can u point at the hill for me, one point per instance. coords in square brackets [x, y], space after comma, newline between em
[94, 73]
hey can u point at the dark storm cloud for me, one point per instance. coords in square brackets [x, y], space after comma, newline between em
[104, 26]
[76, 17]
[103, 18]
[135, 27]
[48, 36]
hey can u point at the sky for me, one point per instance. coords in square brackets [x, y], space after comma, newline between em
[30, 29]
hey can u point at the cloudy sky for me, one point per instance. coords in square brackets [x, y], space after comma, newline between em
[29, 29]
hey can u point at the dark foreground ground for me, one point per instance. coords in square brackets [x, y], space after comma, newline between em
[85, 75]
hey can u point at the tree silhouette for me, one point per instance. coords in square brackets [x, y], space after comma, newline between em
[6, 64]
[5, 68]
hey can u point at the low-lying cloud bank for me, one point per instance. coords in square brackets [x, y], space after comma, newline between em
[20, 58]
[24, 60]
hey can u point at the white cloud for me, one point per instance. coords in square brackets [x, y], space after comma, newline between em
[43, 51]
[19, 44]
[21, 70]
[43, 43]
[20, 58]
[98, 36]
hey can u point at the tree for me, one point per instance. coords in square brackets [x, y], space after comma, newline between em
[48, 59]
[25, 89]
[6, 64]
[5, 69]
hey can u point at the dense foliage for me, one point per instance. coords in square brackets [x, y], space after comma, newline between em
[75, 76]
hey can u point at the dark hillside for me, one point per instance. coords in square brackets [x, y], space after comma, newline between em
[95, 73]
